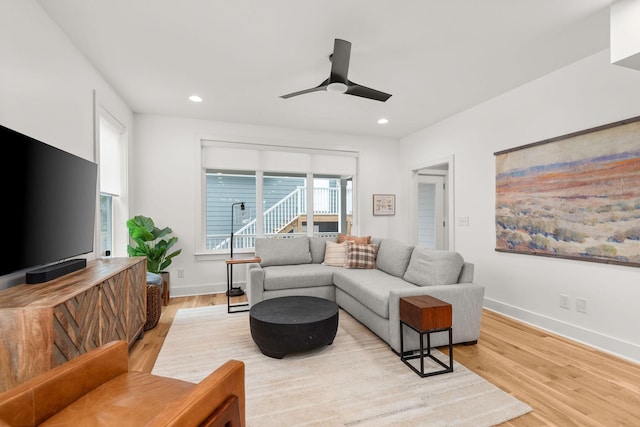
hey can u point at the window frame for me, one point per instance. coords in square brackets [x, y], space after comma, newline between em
[319, 158]
[119, 200]
[255, 208]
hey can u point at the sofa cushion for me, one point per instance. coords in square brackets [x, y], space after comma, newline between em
[393, 257]
[357, 239]
[297, 276]
[433, 267]
[370, 287]
[334, 254]
[317, 245]
[278, 251]
[360, 255]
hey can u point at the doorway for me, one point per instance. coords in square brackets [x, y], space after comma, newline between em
[431, 222]
[433, 210]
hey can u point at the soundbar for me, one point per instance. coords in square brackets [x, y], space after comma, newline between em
[50, 272]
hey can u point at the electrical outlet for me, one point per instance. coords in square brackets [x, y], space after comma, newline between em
[181, 273]
[581, 305]
[463, 221]
[564, 301]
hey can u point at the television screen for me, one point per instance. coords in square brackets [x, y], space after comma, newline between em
[50, 202]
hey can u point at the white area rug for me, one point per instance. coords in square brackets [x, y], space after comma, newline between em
[356, 381]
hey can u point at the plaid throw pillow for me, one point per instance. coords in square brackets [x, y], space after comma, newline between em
[360, 255]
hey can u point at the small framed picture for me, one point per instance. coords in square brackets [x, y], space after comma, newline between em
[384, 204]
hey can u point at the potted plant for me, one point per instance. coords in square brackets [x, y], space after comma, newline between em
[150, 242]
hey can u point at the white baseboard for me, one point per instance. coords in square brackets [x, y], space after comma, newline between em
[202, 289]
[611, 345]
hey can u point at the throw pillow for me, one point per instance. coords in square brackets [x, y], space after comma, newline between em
[360, 255]
[433, 267]
[334, 254]
[357, 239]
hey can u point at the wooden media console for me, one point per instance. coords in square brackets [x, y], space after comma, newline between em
[47, 324]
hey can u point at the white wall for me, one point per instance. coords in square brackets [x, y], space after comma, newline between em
[166, 174]
[586, 94]
[47, 86]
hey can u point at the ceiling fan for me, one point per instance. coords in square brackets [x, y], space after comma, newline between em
[338, 81]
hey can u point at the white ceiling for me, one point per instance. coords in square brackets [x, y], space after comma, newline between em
[436, 57]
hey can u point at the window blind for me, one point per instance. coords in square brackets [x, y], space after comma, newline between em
[268, 158]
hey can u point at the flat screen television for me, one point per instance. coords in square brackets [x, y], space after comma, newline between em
[49, 204]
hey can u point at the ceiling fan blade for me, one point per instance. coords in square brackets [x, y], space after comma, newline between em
[366, 92]
[338, 82]
[320, 87]
[340, 61]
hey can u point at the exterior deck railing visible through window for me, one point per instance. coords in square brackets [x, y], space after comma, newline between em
[279, 216]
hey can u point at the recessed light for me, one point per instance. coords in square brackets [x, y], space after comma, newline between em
[383, 121]
[195, 98]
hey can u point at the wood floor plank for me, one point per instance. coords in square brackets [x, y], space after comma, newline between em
[565, 382]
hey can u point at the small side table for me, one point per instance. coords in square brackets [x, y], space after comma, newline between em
[425, 315]
[230, 263]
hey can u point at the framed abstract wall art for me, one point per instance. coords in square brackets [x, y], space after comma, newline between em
[576, 196]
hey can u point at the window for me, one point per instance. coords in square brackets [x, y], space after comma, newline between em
[332, 205]
[112, 143]
[106, 224]
[285, 204]
[223, 190]
[284, 207]
[285, 191]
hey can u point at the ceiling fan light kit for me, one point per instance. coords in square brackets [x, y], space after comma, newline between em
[337, 87]
[338, 81]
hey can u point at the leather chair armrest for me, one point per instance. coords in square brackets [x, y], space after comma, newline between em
[39, 398]
[199, 403]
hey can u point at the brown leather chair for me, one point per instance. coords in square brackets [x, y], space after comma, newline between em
[97, 389]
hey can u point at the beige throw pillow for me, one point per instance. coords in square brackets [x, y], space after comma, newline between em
[334, 254]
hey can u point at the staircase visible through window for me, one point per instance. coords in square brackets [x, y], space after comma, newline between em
[283, 210]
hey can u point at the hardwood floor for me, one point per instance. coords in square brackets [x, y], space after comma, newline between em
[565, 383]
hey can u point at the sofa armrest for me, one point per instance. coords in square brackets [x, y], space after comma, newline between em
[466, 300]
[37, 399]
[466, 273]
[198, 404]
[255, 283]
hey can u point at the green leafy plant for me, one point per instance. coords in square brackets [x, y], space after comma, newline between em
[150, 242]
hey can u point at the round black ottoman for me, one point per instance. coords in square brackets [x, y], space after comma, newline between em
[294, 324]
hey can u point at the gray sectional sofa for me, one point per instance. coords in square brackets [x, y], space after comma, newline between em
[295, 266]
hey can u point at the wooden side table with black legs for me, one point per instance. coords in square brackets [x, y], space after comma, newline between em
[425, 315]
[231, 291]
